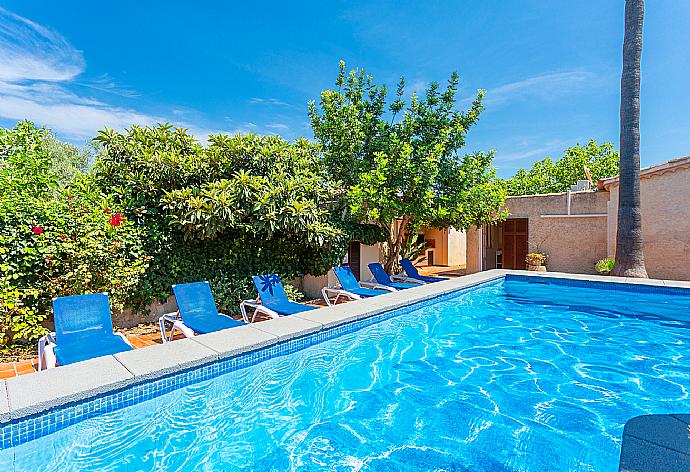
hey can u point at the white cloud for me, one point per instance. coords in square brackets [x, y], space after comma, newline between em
[42, 79]
[544, 87]
[277, 126]
[525, 149]
[268, 101]
[29, 51]
[38, 68]
[76, 120]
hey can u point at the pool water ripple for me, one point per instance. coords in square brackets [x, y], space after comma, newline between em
[501, 378]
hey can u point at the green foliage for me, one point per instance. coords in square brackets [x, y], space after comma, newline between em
[398, 164]
[57, 236]
[545, 176]
[236, 207]
[604, 266]
[414, 249]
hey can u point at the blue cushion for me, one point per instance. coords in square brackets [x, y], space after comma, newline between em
[273, 296]
[88, 347]
[346, 278]
[412, 271]
[402, 285]
[84, 328]
[198, 309]
[382, 277]
[211, 324]
[367, 292]
[429, 279]
[288, 308]
[409, 268]
[380, 274]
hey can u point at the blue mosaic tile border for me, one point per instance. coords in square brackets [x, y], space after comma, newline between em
[600, 285]
[33, 427]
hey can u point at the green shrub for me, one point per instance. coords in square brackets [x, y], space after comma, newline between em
[605, 266]
[222, 212]
[157, 209]
[57, 237]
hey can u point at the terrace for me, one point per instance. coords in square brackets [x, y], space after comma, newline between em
[148, 334]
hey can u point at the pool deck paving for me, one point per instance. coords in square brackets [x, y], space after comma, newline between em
[24, 395]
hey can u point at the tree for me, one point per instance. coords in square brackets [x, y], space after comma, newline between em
[545, 176]
[629, 245]
[398, 165]
[235, 207]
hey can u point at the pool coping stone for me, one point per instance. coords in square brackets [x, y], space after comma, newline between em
[167, 358]
[4, 402]
[34, 393]
[236, 341]
[653, 443]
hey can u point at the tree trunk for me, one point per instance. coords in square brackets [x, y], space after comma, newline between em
[396, 242]
[629, 250]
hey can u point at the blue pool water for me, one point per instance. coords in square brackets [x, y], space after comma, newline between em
[510, 376]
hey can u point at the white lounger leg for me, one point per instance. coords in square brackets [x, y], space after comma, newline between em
[46, 355]
[176, 323]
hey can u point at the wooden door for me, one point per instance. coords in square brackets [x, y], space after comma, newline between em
[353, 258]
[515, 232]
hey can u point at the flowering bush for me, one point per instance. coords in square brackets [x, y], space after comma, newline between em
[158, 209]
[56, 237]
[536, 258]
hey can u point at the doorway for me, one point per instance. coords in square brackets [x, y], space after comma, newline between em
[515, 237]
[354, 257]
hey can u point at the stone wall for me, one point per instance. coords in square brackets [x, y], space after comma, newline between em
[665, 223]
[573, 243]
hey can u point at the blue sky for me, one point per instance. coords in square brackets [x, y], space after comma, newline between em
[551, 68]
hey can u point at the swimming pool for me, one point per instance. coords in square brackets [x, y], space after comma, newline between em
[514, 374]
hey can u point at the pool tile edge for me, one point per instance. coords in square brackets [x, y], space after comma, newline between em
[30, 394]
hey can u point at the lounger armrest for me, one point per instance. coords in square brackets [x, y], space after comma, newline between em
[384, 287]
[407, 280]
[370, 284]
[327, 292]
[258, 308]
[124, 338]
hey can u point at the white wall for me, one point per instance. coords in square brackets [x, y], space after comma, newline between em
[457, 247]
[367, 255]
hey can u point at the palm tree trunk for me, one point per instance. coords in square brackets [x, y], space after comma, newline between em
[629, 250]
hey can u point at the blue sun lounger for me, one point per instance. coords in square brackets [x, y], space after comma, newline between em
[350, 288]
[382, 277]
[272, 301]
[196, 312]
[413, 273]
[83, 330]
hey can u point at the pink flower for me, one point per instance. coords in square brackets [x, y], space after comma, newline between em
[37, 230]
[107, 210]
